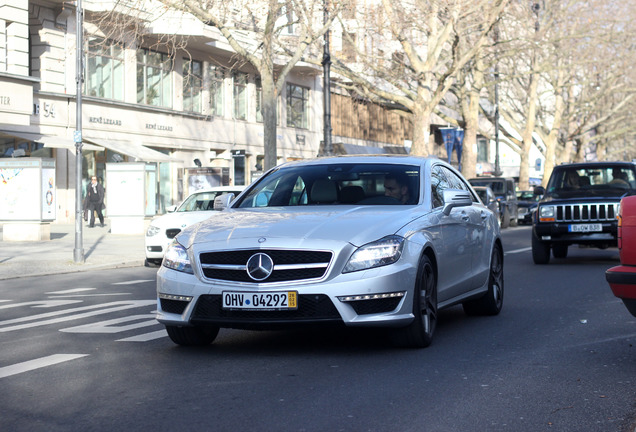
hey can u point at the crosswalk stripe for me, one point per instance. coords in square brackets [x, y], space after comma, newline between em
[37, 364]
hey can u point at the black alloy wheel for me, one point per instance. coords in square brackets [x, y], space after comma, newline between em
[492, 302]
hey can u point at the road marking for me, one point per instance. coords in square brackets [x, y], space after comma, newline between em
[92, 295]
[84, 312]
[110, 326]
[132, 282]
[70, 291]
[516, 251]
[41, 304]
[145, 337]
[37, 364]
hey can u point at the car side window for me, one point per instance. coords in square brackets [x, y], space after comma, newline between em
[438, 185]
[456, 182]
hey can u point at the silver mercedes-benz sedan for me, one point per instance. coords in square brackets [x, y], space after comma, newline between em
[374, 241]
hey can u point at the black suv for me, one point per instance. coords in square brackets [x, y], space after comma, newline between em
[504, 189]
[580, 206]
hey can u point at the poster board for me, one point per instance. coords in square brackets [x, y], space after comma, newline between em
[27, 189]
[125, 189]
[205, 178]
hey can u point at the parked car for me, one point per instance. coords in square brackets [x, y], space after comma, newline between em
[580, 206]
[505, 191]
[196, 207]
[622, 278]
[526, 204]
[487, 196]
[364, 241]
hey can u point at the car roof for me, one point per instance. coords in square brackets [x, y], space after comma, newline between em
[372, 158]
[220, 189]
[595, 164]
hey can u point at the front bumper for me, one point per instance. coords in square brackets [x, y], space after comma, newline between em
[185, 300]
[559, 232]
[622, 281]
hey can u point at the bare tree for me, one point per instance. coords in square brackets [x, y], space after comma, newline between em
[413, 58]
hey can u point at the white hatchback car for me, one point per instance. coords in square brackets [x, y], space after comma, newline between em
[196, 207]
[372, 241]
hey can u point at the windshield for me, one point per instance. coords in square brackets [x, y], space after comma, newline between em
[200, 201]
[335, 184]
[594, 181]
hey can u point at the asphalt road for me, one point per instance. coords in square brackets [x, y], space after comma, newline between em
[82, 352]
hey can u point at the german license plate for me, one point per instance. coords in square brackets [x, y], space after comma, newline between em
[585, 228]
[280, 300]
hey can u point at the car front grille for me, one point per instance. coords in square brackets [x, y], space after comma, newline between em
[593, 212]
[173, 306]
[311, 308]
[172, 232]
[289, 265]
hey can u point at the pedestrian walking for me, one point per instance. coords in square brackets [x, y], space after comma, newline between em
[95, 201]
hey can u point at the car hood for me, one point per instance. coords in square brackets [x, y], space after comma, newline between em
[355, 225]
[181, 219]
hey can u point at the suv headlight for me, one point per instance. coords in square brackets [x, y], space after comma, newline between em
[152, 231]
[176, 258]
[546, 214]
[379, 253]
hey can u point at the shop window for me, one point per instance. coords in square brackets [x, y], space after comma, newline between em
[192, 85]
[217, 75]
[154, 84]
[104, 69]
[239, 80]
[11, 148]
[297, 106]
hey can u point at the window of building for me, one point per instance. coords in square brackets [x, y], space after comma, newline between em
[104, 69]
[297, 106]
[240, 95]
[192, 85]
[217, 75]
[259, 99]
[482, 150]
[16, 147]
[154, 84]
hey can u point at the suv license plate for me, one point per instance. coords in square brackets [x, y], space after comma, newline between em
[585, 228]
[283, 300]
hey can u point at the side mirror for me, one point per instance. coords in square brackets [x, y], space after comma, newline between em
[171, 209]
[456, 198]
[539, 190]
[223, 201]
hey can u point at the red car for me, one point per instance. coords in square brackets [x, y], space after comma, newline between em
[622, 278]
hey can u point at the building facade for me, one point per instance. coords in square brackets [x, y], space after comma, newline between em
[182, 110]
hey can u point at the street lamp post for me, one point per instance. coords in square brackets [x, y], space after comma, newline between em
[326, 64]
[78, 251]
[497, 172]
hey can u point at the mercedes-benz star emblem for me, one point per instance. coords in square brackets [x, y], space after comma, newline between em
[260, 266]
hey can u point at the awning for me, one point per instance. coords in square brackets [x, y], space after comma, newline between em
[49, 141]
[132, 149]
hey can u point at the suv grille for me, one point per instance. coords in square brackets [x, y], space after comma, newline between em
[586, 212]
[289, 265]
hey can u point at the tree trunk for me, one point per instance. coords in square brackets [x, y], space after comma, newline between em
[471, 119]
[524, 165]
[551, 141]
[421, 131]
[269, 122]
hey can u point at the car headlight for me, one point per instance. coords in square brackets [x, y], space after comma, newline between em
[546, 213]
[379, 253]
[152, 231]
[176, 258]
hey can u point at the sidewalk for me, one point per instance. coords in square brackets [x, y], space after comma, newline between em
[101, 250]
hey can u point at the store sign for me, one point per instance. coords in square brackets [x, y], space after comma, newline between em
[104, 120]
[5, 100]
[159, 127]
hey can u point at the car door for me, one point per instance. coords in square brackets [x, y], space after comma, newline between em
[476, 220]
[454, 258]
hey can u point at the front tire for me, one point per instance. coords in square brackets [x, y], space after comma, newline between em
[540, 250]
[192, 336]
[505, 218]
[491, 302]
[419, 334]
